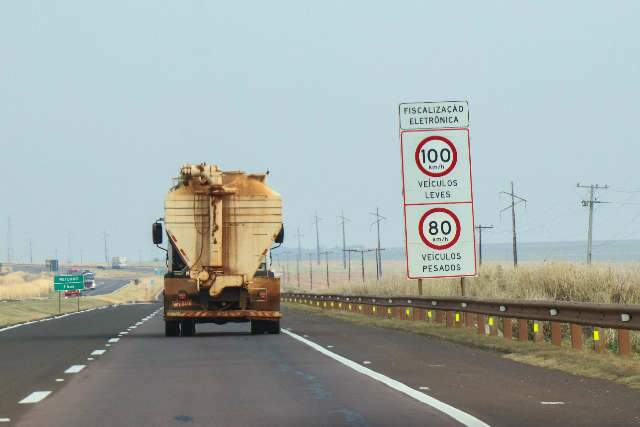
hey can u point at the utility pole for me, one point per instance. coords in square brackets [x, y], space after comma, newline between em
[317, 220]
[310, 272]
[348, 252]
[379, 218]
[515, 200]
[298, 256]
[480, 228]
[9, 249]
[344, 239]
[326, 257]
[106, 248]
[30, 252]
[590, 203]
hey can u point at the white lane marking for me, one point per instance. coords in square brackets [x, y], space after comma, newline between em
[5, 420]
[59, 380]
[89, 358]
[552, 403]
[424, 388]
[74, 369]
[329, 346]
[98, 352]
[366, 362]
[123, 333]
[114, 340]
[454, 413]
[35, 397]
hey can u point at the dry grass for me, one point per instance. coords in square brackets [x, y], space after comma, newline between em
[562, 281]
[13, 312]
[586, 363]
[20, 285]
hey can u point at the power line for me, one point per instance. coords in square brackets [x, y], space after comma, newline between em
[344, 239]
[512, 206]
[379, 218]
[480, 228]
[590, 203]
[317, 220]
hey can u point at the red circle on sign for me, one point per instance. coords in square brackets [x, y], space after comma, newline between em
[424, 238]
[454, 155]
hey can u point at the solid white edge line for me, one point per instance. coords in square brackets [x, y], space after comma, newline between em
[35, 397]
[74, 369]
[456, 414]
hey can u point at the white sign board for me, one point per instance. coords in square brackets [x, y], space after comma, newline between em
[434, 115]
[437, 189]
[436, 166]
[440, 240]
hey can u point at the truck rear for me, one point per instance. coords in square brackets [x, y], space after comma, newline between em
[220, 227]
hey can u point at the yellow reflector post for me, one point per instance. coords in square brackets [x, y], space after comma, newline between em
[536, 328]
[388, 311]
[490, 321]
[374, 308]
[349, 306]
[429, 314]
[408, 312]
[331, 304]
[596, 335]
[457, 317]
[360, 307]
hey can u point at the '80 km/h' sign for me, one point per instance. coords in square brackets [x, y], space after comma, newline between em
[437, 191]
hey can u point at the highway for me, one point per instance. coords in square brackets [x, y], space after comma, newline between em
[319, 371]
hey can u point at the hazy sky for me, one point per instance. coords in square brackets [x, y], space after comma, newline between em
[101, 102]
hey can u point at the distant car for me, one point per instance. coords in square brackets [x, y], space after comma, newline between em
[101, 267]
[72, 293]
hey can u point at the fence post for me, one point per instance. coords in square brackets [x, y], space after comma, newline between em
[480, 318]
[507, 330]
[523, 333]
[450, 318]
[599, 340]
[576, 336]
[538, 330]
[440, 316]
[556, 334]
[468, 319]
[624, 345]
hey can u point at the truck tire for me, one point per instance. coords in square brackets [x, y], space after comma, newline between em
[171, 328]
[274, 327]
[258, 327]
[188, 328]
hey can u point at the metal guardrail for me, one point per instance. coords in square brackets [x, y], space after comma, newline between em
[474, 312]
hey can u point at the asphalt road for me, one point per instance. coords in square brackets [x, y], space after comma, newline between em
[319, 372]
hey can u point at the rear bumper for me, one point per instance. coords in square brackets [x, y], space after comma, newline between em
[226, 314]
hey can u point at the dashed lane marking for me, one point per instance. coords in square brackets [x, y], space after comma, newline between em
[98, 352]
[59, 380]
[35, 397]
[552, 403]
[89, 358]
[5, 420]
[114, 340]
[455, 413]
[74, 369]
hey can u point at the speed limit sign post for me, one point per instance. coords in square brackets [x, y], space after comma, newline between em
[437, 189]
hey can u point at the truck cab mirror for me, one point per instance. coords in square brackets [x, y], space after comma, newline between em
[280, 236]
[156, 231]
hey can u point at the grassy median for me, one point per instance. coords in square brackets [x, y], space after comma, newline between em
[12, 312]
[623, 370]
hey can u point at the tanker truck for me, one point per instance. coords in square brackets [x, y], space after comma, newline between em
[220, 227]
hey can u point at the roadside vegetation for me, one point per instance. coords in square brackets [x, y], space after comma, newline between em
[11, 312]
[561, 281]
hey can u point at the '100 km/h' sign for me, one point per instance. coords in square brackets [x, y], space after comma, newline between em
[437, 190]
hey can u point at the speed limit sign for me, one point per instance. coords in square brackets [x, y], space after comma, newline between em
[436, 167]
[437, 189]
[440, 240]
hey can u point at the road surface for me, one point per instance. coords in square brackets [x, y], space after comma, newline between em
[320, 371]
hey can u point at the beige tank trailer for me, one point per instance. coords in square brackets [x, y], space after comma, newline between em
[220, 227]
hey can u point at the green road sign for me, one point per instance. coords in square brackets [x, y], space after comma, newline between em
[68, 282]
